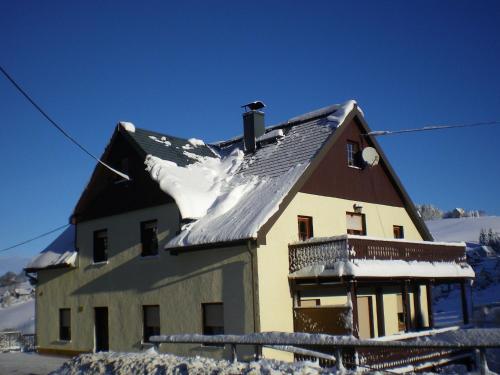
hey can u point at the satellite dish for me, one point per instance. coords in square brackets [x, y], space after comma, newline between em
[370, 156]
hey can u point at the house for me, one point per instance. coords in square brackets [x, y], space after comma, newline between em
[302, 226]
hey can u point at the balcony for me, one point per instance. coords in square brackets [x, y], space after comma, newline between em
[351, 255]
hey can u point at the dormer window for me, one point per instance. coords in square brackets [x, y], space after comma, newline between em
[353, 155]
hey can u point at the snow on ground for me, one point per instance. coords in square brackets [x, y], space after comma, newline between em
[28, 363]
[151, 362]
[465, 229]
[18, 317]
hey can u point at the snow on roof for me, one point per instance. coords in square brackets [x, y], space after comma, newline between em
[61, 252]
[196, 142]
[128, 126]
[465, 229]
[231, 195]
[387, 268]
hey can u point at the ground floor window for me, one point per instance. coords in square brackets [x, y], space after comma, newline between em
[65, 324]
[151, 318]
[213, 318]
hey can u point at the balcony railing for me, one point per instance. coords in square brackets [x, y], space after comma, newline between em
[329, 250]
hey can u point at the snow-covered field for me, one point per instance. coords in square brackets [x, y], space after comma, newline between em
[485, 291]
[465, 229]
[18, 317]
[18, 363]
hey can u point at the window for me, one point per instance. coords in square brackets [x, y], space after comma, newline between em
[151, 319]
[305, 227]
[100, 245]
[355, 223]
[149, 240]
[213, 318]
[398, 231]
[65, 324]
[353, 155]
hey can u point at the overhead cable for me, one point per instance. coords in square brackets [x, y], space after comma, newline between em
[34, 238]
[57, 126]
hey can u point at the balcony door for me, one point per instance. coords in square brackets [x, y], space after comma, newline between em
[101, 329]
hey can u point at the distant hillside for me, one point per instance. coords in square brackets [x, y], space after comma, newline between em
[465, 229]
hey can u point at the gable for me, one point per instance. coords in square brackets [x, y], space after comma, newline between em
[107, 195]
[334, 178]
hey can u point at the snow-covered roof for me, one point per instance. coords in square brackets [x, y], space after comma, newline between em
[228, 195]
[60, 253]
[178, 150]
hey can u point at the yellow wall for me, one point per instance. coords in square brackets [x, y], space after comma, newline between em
[179, 284]
[275, 300]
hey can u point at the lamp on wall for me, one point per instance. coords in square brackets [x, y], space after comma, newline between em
[357, 208]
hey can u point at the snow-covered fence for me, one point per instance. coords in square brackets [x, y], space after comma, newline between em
[15, 340]
[10, 340]
[442, 343]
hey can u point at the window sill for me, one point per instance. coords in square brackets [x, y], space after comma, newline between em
[355, 167]
[97, 264]
[147, 344]
[145, 257]
[63, 341]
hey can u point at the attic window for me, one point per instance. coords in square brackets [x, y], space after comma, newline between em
[398, 231]
[305, 224]
[353, 155]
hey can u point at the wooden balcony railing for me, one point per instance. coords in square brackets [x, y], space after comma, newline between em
[326, 251]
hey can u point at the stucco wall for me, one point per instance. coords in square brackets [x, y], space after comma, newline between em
[275, 300]
[179, 284]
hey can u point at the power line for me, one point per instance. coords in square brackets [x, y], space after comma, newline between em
[34, 238]
[378, 133]
[58, 127]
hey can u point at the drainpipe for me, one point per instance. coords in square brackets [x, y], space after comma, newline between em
[252, 264]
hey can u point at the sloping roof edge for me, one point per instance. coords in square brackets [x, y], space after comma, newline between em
[356, 113]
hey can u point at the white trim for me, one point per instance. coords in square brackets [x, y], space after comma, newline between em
[101, 263]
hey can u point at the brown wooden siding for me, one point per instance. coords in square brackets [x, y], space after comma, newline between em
[334, 178]
[104, 196]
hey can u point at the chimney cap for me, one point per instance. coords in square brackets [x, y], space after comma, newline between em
[253, 106]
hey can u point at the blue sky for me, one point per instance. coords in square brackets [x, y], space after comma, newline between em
[185, 69]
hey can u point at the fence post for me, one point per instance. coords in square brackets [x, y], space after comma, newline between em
[234, 355]
[482, 365]
[340, 363]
